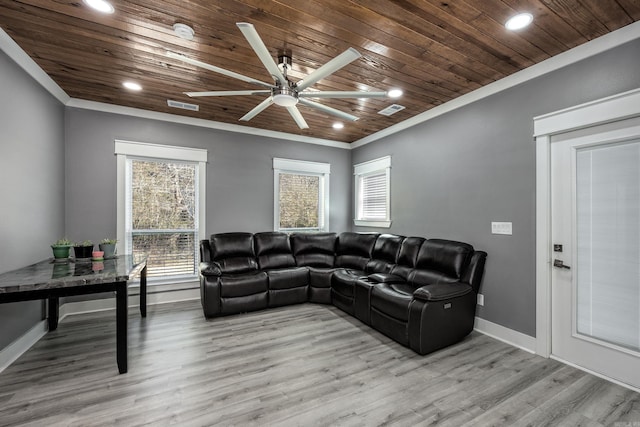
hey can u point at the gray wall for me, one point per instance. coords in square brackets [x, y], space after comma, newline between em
[32, 184]
[453, 175]
[239, 172]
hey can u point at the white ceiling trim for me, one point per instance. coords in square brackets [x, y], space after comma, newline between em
[23, 60]
[174, 118]
[578, 53]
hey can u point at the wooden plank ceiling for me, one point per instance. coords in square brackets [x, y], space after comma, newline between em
[433, 50]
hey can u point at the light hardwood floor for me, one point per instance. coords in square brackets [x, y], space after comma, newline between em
[298, 365]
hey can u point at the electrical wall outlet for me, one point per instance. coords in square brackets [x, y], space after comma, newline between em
[502, 228]
[480, 299]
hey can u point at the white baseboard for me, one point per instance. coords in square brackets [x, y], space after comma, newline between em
[10, 353]
[13, 351]
[509, 336]
[91, 306]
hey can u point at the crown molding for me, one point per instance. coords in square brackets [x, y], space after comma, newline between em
[601, 44]
[174, 118]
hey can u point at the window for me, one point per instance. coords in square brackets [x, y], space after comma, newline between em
[161, 207]
[372, 191]
[301, 195]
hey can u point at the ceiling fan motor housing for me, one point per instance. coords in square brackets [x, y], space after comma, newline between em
[284, 96]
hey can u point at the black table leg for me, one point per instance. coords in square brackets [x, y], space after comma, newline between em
[143, 292]
[52, 317]
[121, 326]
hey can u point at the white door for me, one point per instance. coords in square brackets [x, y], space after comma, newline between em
[595, 295]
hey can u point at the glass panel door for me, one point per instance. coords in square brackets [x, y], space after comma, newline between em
[608, 243]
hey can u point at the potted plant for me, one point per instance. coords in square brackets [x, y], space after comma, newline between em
[108, 246]
[61, 249]
[83, 250]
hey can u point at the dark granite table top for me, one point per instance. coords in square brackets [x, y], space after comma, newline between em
[51, 274]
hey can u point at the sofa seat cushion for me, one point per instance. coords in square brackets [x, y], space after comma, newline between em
[237, 265]
[393, 299]
[442, 292]
[385, 278]
[429, 277]
[321, 277]
[239, 285]
[344, 281]
[288, 278]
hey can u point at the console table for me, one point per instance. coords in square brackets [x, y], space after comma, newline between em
[51, 280]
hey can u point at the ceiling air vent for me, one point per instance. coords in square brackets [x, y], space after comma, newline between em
[391, 109]
[183, 105]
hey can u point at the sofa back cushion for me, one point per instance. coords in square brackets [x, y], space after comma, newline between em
[444, 257]
[314, 249]
[353, 250]
[385, 253]
[407, 257]
[234, 252]
[273, 250]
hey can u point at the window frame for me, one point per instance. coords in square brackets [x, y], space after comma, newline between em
[302, 167]
[362, 170]
[128, 150]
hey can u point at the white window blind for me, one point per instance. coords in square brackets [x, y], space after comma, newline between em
[372, 182]
[374, 196]
[300, 195]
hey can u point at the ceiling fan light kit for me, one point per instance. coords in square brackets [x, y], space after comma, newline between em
[284, 92]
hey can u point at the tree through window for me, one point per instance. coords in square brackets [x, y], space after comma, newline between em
[164, 216]
[161, 200]
[301, 197]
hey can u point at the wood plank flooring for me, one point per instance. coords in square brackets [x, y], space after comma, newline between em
[298, 365]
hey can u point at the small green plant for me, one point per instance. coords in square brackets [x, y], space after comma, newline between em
[85, 243]
[109, 241]
[63, 242]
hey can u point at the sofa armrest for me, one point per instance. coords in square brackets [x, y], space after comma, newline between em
[440, 292]
[475, 270]
[385, 278]
[210, 269]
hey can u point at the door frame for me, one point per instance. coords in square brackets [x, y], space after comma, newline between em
[622, 106]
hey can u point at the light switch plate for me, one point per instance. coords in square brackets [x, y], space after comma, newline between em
[480, 299]
[502, 228]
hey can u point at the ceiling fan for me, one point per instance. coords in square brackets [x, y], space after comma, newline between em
[283, 91]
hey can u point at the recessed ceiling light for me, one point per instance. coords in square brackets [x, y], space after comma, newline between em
[519, 21]
[183, 31]
[394, 93]
[338, 125]
[132, 86]
[100, 5]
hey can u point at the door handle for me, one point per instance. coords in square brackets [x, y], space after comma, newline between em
[558, 263]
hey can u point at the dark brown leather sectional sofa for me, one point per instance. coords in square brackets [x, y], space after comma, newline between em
[421, 293]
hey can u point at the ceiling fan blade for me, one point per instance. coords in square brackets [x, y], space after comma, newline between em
[330, 67]
[217, 69]
[261, 50]
[342, 94]
[295, 113]
[257, 110]
[328, 110]
[228, 93]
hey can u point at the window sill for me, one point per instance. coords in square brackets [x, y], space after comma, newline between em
[370, 223]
